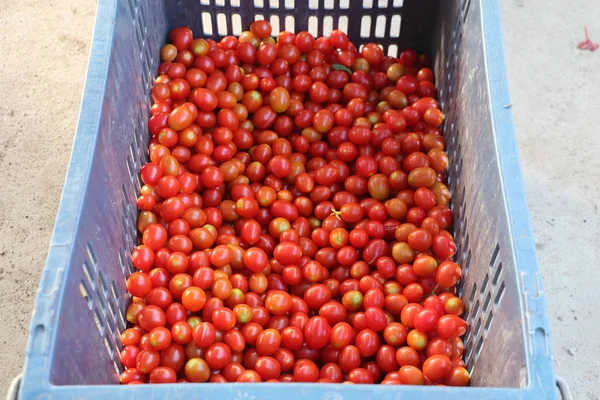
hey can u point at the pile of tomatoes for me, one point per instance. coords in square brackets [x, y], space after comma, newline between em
[294, 218]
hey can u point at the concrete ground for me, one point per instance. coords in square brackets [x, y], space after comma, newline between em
[555, 90]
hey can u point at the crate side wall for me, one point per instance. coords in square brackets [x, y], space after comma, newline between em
[495, 342]
[95, 297]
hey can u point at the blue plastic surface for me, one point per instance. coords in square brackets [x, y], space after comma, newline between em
[73, 345]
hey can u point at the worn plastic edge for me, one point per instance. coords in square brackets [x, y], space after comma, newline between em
[563, 388]
[39, 351]
[13, 389]
[540, 368]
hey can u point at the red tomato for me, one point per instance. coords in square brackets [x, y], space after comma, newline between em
[292, 216]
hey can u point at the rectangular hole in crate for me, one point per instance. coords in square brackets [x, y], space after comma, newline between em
[220, 2]
[468, 333]
[102, 283]
[380, 25]
[91, 254]
[289, 4]
[207, 27]
[495, 255]
[499, 294]
[365, 26]
[475, 311]
[136, 137]
[121, 259]
[327, 25]
[456, 47]
[466, 7]
[477, 350]
[259, 3]
[488, 323]
[84, 291]
[470, 369]
[113, 292]
[142, 118]
[132, 8]
[222, 25]
[477, 328]
[138, 184]
[457, 235]
[125, 194]
[236, 24]
[235, 3]
[398, 3]
[290, 24]
[451, 79]
[473, 292]
[395, 26]
[367, 3]
[134, 156]
[121, 320]
[467, 263]
[124, 218]
[465, 316]
[328, 4]
[343, 23]
[275, 25]
[448, 57]
[109, 347]
[463, 201]
[274, 4]
[143, 17]
[455, 33]
[392, 50]
[497, 274]
[127, 261]
[125, 241]
[101, 300]
[313, 25]
[145, 74]
[382, 3]
[130, 170]
[484, 285]
[467, 353]
[139, 40]
[451, 88]
[118, 368]
[459, 169]
[463, 254]
[87, 271]
[463, 228]
[313, 4]
[344, 4]
[113, 310]
[110, 325]
[99, 321]
[486, 302]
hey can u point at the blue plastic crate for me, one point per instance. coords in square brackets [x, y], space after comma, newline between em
[73, 348]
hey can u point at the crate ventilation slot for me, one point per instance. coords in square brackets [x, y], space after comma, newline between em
[220, 18]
